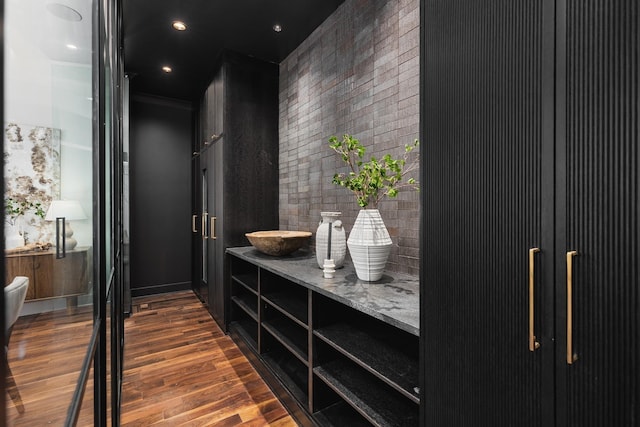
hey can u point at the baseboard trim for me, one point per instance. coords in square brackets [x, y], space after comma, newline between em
[160, 289]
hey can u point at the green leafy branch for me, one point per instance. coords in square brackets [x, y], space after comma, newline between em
[15, 208]
[373, 180]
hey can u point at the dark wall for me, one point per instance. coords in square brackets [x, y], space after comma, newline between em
[161, 138]
[357, 73]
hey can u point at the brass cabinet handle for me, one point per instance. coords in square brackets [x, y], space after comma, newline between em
[193, 223]
[204, 224]
[213, 228]
[533, 344]
[571, 357]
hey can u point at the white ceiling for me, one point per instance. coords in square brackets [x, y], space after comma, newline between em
[37, 26]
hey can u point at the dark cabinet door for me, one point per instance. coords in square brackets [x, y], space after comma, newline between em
[202, 278]
[199, 200]
[238, 173]
[598, 213]
[530, 128]
[216, 231]
[196, 239]
[487, 130]
[215, 187]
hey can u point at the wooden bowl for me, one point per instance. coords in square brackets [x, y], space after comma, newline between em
[278, 242]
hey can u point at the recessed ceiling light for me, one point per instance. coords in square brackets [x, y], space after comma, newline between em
[72, 47]
[64, 12]
[166, 69]
[277, 28]
[179, 25]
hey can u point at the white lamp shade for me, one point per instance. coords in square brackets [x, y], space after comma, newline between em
[69, 209]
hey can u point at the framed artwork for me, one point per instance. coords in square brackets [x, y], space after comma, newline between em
[32, 175]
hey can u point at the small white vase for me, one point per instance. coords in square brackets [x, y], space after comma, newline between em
[369, 245]
[13, 238]
[338, 239]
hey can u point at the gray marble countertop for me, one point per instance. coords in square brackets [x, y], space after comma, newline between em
[394, 299]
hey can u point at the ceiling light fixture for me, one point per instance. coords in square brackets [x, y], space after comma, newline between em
[72, 46]
[166, 69]
[277, 28]
[179, 25]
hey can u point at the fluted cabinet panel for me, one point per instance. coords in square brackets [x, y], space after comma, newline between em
[530, 122]
[483, 131]
[600, 212]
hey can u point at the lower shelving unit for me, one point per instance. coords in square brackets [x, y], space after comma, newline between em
[248, 330]
[389, 363]
[292, 338]
[371, 398]
[289, 371]
[340, 414]
[339, 365]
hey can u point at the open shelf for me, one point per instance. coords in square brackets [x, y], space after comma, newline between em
[290, 305]
[340, 366]
[248, 303]
[245, 273]
[376, 355]
[290, 335]
[339, 415]
[248, 281]
[290, 371]
[371, 398]
[248, 331]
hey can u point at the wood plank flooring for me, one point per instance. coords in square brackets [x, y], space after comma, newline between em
[181, 369]
[45, 355]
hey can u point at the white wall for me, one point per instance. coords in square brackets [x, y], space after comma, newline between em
[42, 90]
[47, 84]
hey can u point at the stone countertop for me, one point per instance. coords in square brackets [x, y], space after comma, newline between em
[394, 299]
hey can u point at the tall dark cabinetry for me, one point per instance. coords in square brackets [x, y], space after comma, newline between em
[530, 298]
[235, 169]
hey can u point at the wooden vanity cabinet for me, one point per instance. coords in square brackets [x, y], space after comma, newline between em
[50, 277]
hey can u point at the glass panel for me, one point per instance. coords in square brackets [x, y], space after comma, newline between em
[107, 102]
[126, 223]
[107, 181]
[85, 418]
[109, 338]
[49, 193]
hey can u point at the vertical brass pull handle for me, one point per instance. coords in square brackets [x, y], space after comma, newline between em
[533, 344]
[571, 357]
[204, 225]
[193, 223]
[213, 228]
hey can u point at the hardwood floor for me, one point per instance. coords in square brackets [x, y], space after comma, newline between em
[45, 356]
[181, 369]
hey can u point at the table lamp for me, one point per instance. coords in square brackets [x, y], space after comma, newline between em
[66, 210]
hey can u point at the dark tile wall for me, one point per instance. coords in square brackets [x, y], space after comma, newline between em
[358, 73]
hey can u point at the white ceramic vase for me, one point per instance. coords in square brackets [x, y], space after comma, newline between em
[13, 238]
[369, 245]
[338, 239]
